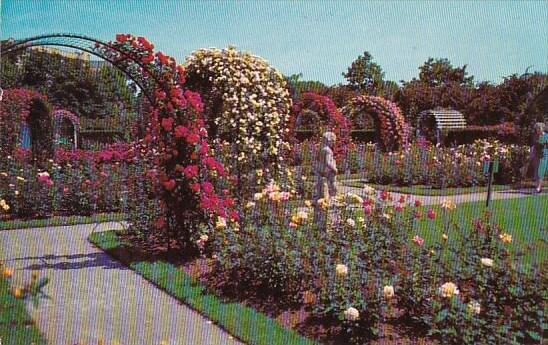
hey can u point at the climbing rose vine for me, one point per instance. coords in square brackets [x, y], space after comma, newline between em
[14, 110]
[175, 148]
[247, 104]
[388, 118]
[319, 113]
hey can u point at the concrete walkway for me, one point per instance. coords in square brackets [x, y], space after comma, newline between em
[95, 298]
[433, 200]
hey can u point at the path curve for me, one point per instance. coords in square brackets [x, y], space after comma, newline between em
[94, 297]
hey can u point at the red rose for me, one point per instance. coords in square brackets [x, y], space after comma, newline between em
[181, 131]
[167, 124]
[191, 171]
[204, 147]
[147, 58]
[207, 187]
[195, 187]
[169, 184]
[192, 138]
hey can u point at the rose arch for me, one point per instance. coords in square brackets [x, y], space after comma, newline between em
[174, 151]
[315, 113]
[387, 119]
[247, 103]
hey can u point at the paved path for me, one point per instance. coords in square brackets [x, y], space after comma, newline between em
[94, 297]
[433, 200]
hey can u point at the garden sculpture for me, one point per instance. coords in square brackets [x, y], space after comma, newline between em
[324, 167]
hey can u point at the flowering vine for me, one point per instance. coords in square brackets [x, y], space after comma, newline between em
[247, 104]
[176, 150]
[319, 113]
[388, 119]
[15, 109]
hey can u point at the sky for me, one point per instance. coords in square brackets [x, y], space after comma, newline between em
[319, 38]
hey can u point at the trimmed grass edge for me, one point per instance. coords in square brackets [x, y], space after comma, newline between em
[243, 322]
[16, 325]
[61, 221]
[423, 191]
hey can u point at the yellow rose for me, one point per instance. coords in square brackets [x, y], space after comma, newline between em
[221, 223]
[351, 314]
[448, 204]
[341, 270]
[474, 307]
[487, 262]
[505, 237]
[388, 292]
[449, 290]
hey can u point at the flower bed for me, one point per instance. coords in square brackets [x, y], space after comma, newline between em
[73, 183]
[423, 164]
[369, 275]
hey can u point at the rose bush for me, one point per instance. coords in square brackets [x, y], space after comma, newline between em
[175, 159]
[246, 103]
[369, 267]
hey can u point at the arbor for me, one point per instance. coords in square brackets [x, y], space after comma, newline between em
[68, 82]
[439, 85]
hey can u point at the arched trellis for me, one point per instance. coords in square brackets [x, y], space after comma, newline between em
[61, 115]
[133, 68]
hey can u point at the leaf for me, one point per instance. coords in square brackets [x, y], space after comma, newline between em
[442, 314]
[534, 335]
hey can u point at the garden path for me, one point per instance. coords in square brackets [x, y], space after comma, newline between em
[94, 297]
[461, 198]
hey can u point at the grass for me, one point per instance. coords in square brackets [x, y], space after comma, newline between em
[526, 219]
[16, 325]
[243, 322]
[425, 190]
[60, 221]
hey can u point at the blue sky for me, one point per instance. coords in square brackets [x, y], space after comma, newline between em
[318, 38]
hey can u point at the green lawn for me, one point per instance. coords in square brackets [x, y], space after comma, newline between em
[60, 221]
[16, 326]
[526, 219]
[425, 190]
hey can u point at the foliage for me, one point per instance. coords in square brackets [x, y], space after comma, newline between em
[16, 325]
[69, 83]
[174, 157]
[246, 102]
[16, 107]
[369, 266]
[297, 86]
[387, 119]
[365, 76]
[437, 72]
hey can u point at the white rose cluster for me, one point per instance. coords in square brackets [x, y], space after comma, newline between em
[255, 100]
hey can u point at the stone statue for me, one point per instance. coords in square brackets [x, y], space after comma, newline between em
[325, 167]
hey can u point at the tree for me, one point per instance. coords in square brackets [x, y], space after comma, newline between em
[437, 72]
[297, 86]
[364, 75]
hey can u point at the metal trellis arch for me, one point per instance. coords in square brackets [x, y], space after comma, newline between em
[133, 68]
